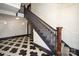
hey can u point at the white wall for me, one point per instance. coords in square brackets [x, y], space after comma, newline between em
[62, 15]
[39, 41]
[13, 27]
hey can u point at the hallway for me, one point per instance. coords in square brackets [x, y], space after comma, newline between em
[54, 37]
[20, 46]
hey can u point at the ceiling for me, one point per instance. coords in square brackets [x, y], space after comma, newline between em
[16, 5]
[10, 8]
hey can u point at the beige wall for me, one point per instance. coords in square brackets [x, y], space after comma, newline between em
[13, 27]
[63, 15]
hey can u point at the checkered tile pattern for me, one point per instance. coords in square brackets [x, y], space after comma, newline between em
[20, 46]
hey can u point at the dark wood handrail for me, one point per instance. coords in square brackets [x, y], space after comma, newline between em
[44, 23]
[28, 8]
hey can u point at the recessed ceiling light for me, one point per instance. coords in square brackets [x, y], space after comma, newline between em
[17, 18]
[5, 22]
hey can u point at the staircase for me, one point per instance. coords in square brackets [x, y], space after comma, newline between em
[50, 36]
[43, 31]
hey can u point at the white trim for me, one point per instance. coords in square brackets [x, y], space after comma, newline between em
[11, 13]
[7, 12]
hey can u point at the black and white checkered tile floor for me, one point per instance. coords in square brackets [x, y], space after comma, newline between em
[20, 46]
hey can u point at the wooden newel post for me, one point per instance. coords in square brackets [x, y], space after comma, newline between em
[29, 7]
[59, 37]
